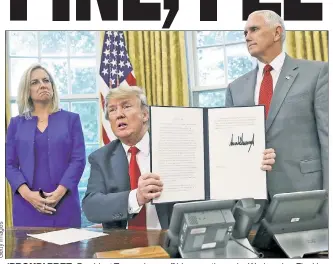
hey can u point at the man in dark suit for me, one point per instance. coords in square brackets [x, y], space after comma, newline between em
[295, 94]
[110, 198]
[120, 184]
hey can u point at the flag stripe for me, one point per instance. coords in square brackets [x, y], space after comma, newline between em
[115, 69]
[131, 80]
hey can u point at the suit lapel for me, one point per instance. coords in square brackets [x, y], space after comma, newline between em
[28, 131]
[248, 91]
[120, 165]
[286, 78]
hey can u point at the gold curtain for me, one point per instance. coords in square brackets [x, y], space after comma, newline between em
[310, 45]
[159, 63]
[8, 191]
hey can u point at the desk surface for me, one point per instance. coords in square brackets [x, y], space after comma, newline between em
[19, 245]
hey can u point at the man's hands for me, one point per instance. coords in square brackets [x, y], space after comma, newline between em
[268, 159]
[40, 204]
[149, 187]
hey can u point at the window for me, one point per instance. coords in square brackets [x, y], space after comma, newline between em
[71, 57]
[215, 58]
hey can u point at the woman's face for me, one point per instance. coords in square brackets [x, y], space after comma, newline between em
[40, 86]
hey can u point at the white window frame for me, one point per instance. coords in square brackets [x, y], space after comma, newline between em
[68, 97]
[193, 67]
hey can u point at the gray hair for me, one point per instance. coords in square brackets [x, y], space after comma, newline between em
[273, 20]
[24, 101]
[123, 92]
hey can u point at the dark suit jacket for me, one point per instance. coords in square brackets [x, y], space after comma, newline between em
[106, 199]
[296, 126]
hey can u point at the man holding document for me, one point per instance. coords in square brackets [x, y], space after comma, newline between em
[295, 95]
[121, 185]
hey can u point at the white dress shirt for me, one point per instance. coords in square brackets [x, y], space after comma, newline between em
[143, 160]
[276, 64]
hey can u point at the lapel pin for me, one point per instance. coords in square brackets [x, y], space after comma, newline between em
[288, 77]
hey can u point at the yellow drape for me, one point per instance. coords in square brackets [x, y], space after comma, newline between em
[159, 62]
[310, 45]
[8, 191]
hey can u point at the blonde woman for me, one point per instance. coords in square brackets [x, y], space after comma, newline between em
[45, 155]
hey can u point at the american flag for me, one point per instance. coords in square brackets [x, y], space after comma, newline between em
[115, 69]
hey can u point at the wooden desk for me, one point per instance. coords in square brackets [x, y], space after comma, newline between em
[19, 245]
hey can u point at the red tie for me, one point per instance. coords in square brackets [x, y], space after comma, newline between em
[266, 89]
[139, 221]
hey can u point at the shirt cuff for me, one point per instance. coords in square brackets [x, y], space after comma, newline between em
[133, 206]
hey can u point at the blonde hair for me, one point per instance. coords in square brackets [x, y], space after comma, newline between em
[273, 20]
[123, 92]
[24, 101]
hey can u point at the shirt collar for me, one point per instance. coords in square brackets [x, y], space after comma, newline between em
[277, 63]
[142, 145]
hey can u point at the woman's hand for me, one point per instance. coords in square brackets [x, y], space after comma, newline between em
[268, 159]
[56, 195]
[40, 204]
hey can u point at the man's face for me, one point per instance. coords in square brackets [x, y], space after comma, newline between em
[127, 119]
[260, 37]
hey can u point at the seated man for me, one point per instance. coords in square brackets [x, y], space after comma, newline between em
[121, 185]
